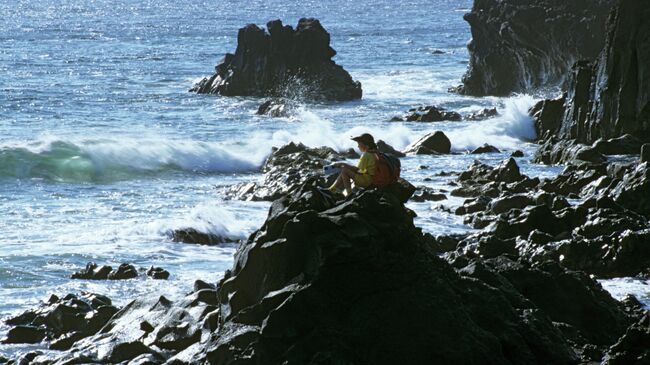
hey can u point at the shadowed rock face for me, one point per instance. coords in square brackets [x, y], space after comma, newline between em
[522, 45]
[608, 98]
[282, 62]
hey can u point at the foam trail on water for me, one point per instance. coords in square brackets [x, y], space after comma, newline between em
[506, 131]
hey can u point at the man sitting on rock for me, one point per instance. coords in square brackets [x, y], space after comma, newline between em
[363, 173]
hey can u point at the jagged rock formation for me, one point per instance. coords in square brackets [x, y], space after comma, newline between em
[611, 97]
[522, 45]
[531, 220]
[282, 62]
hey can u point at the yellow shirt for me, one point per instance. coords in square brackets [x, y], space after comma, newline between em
[366, 166]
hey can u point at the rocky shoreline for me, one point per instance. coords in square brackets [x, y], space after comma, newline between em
[351, 280]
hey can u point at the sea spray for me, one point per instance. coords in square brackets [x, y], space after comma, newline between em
[506, 131]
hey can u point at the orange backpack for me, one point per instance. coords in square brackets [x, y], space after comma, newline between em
[387, 169]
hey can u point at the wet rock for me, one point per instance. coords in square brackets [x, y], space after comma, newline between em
[386, 148]
[93, 272]
[61, 320]
[276, 108]
[623, 145]
[424, 193]
[478, 172]
[25, 334]
[518, 46]
[158, 273]
[431, 144]
[517, 153]
[286, 169]
[645, 153]
[282, 61]
[632, 192]
[548, 115]
[610, 97]
[632, 347]
[429, 114]
[484, 114]
[123, 272]
[486, 148]
[554, 151]
[192, 235]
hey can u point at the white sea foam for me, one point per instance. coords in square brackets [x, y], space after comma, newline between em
[507, 131]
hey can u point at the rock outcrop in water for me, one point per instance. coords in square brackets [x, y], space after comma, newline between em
[521, 45]
[610, 98]
[282, 61]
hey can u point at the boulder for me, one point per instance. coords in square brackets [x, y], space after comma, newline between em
[123, 272]
[523, 45]
[61, 320]
[94, 272]
[423, 194]
[633, 190]
[486, 148]
[386, 148]
[282, 62]
[517, 153]
[429, 114]
[158, 273]
[547, 116]
[286, 169]
[276, 108]
[192, 235]
[431, 144]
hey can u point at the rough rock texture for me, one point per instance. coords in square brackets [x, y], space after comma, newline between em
[486, 148]
[94, 272]
[431, 144]
[610, 97]
[282, 62]
[526, 44]
[287, 168]
[192, 235]
[62, 321]
[428, 114]
[604, 234]
[276, 108]
[354, 292]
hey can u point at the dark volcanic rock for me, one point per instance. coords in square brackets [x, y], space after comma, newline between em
[386, 148]
[486, 148]
[569, 298]
[423, 194]
[94, 272]
[608, 98]
[192, 235]
[633, 347]
[548, 115]
[431, 144]
[276, 108]
[522, 45]
[428, 114]
[645, 153]
[158, 273]
[62, 321]
[517, 153]
[282, 62]
[298, 299]
[486, 113]
[286, 169]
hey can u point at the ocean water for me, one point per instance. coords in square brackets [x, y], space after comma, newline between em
[103, 151]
